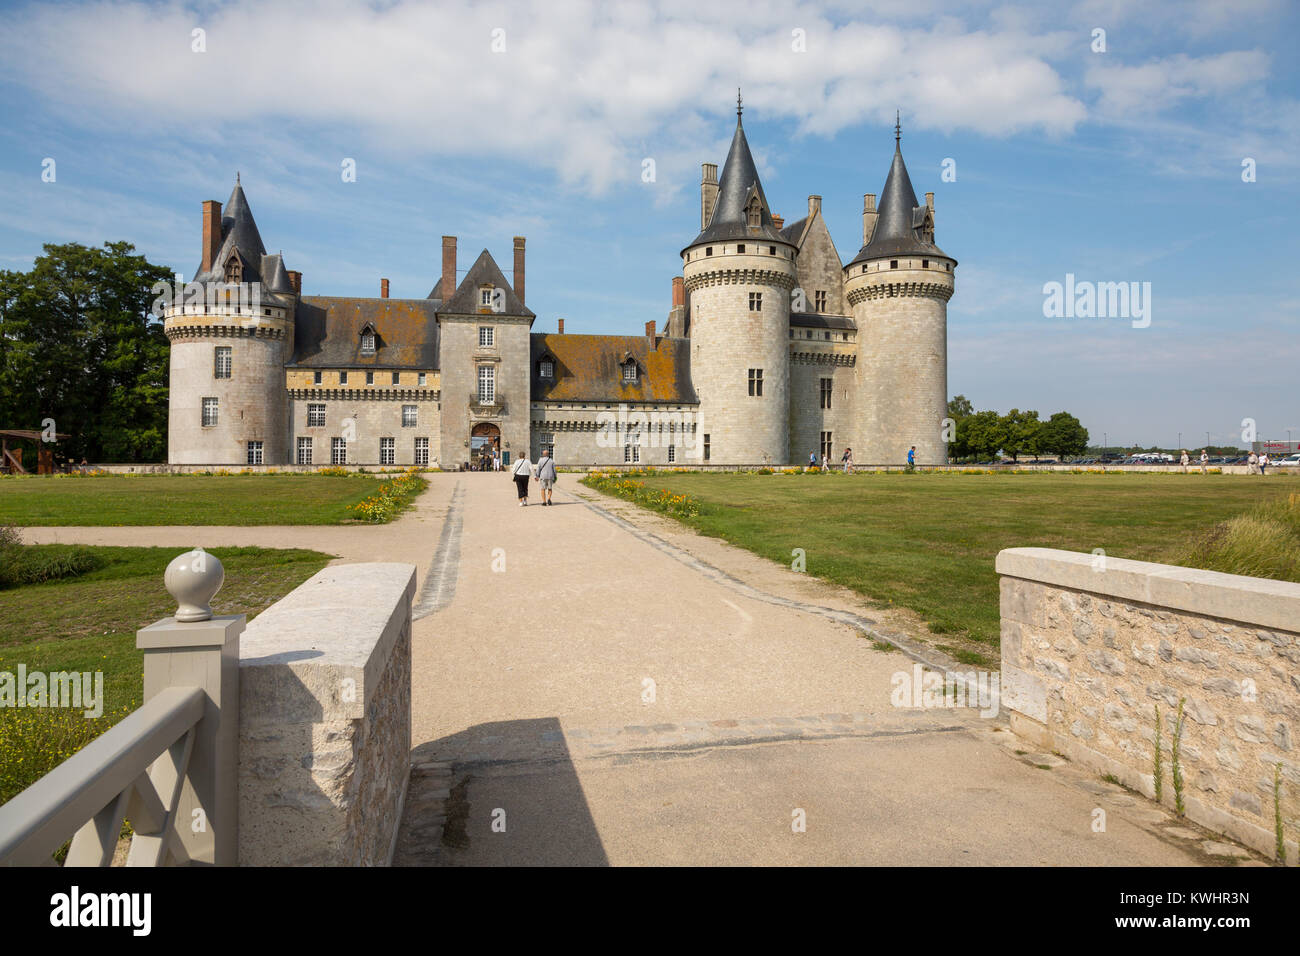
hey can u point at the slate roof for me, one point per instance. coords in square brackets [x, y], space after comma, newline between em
[899, 219]
[589, 368]
[793, 232]
[483, 272]
[815, 320]
[739, 178]
[239, 234]
[327, 333]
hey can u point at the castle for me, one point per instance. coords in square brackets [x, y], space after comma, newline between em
[772, 350]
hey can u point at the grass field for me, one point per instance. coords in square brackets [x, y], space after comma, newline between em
[928, 541]
[183, 499]
[88, 623]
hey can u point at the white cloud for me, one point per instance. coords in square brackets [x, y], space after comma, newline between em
[1163, 83]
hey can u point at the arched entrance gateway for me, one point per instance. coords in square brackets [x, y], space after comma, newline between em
[484, 442]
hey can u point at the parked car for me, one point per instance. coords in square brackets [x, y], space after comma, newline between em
[1292, 461]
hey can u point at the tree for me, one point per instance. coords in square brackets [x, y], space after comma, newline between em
[1023, 433]
[1064, 435]
[78, 345]
[959, 409]
[982, 434]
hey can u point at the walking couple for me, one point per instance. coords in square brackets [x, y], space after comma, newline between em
[543, 473]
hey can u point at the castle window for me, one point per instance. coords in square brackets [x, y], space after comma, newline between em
[632, 450]
[222, 362]
[485, 297]
[255, 453]
[893, 263]
[420, 380]
[827, 336]
[316, 415]
[807, 333]
[338, 451]
[485, 337]
[408, 416]
[315, 378]
[209, 412]
[629, 371]
[546, 442]
[756, 302]
[367, 343]
[826, 445]
[755, 213]
[546, 369]
[672, 454]
[343, 378]
[756, 382]
[740, 248]
[234, 268]
[819, 301]
[771, 250]
[304, 451]
[487, 384]
[925, 263]
[422, 452]
[826, 392]
[708, 250]
[706, 446]
[397, 378]
[370, 378]
[387, 451]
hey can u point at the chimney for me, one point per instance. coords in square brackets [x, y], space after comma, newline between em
[679, 291]
[650, 332]
[778, 221]
[383, 288]
[929, 201]
[561, 326]
[295, 280]
[868, 216]
[447, 288]
[519, 268]
[814, 205]
[708, 193]
[211, 233]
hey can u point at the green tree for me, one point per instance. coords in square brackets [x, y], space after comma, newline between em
[78, 345]
[982, 434]
[1064, 435]
[959, 409]
[1024, 433]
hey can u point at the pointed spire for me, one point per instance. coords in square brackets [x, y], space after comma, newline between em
[899, 216]
[898, 131]
[739, 109]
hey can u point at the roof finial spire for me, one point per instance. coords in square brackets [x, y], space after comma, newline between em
[739, 109]
[236, 177]
[898, 129]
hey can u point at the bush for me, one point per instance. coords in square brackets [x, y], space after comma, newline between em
[1264, 543]
[35, 741]
[34, 564]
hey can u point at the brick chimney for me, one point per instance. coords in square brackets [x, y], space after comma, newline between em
[814, 205]
[519, 268]
[650, 332]
[778, 221]
[868, 216]
[448, 286]
[679, 291]
[561, 326]
[383, 288]
[295, 279]
[211, 233]
[708, 192]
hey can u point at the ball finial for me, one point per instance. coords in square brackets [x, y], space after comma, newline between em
[193, 579]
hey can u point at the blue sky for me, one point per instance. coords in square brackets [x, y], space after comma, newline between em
[1122, 165]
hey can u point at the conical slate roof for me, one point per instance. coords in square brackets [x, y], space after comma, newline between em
[483, 272]
[738, 182]
[899, 219]
[239, 233]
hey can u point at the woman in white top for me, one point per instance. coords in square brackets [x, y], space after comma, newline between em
[522, 473]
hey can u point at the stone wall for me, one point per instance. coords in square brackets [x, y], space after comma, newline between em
[375, 413]
[325, 720]
[582, 441]
[1091, 645]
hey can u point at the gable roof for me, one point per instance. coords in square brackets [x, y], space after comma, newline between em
[898, 219]
[588, 368]
[483, 272]
[327, 333]
[738, 182]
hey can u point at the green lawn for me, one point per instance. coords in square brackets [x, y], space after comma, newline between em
[183, 499]
[928, 541]
[88, 623]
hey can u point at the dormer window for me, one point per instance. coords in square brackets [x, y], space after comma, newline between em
[368, 340]
[755, 213]
[629, 372]
[546, 369]
[234, 268]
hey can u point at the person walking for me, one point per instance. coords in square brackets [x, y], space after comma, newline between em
[1252, 464]
[1264, 462]
[911, 457]
[1205, 460]
[812, 460]
[522, 472]
[1185, 461]
[546, 475]
[848, 460]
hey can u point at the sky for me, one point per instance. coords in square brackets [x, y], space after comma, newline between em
[1155, 143]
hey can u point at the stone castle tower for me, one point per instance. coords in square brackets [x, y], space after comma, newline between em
[231, 334]
[739, 272]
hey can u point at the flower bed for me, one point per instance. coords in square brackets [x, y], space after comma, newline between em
[657, 499]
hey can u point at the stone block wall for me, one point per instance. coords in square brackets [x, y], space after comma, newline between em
[1091, 645]
[325, 720]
